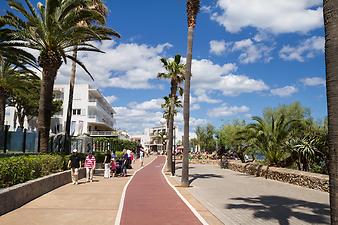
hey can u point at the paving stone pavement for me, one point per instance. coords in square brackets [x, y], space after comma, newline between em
[237, 198]
[86, 203]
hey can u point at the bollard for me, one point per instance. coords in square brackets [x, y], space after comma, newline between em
[24, 140]
[5, 137]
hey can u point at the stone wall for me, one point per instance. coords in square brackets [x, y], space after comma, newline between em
[15, 196]
[300, 178]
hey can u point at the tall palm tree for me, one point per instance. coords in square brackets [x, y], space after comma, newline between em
[52, 29]
[193, 7]
[330, 11]
[100, 7]
[175, 72]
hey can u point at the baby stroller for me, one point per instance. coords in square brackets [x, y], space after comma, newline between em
[118, 167]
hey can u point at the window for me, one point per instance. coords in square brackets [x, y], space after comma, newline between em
[76, 111]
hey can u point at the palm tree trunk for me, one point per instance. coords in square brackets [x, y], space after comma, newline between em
[330, 11]
[186, 111]
[171, 126]
[2, 111]
[21, 117]
[50, 66]
[70, 103]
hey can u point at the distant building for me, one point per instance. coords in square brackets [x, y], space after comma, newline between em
[92, 114]
[11, 120]
[155, 138]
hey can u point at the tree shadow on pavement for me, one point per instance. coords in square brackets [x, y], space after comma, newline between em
[194, 177]
[283, 208]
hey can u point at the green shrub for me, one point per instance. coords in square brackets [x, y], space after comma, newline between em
[99, 157]
[119, 154]
[19, 169]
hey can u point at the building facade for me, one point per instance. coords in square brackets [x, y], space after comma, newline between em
[155, 138]
[92, 114]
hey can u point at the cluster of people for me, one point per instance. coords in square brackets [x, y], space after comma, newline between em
[112, 165]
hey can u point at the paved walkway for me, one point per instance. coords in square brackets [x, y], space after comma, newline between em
[86, 203]
[236, 198]
[150, 200]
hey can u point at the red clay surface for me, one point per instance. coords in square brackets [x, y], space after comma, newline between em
[150, 200]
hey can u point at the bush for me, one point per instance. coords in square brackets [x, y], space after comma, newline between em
[19, 169]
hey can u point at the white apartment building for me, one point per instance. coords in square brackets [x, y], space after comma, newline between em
[92, 114]
[154, 137]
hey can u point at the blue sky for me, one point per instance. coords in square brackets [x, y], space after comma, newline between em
[248, 55]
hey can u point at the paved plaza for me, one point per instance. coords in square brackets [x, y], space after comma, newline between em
[236, 198]
[216, 196]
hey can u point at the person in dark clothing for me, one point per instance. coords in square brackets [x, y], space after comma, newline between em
[74, 164]
[125, 158]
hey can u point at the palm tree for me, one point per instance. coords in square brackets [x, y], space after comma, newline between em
[15, 56]
[53, 30]
[193, 7]
[269, 137]
[100, 7]
[12, 79]
[330, 11]
[175, 72]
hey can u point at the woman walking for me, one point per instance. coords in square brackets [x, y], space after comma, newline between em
[106, 161]
[90, 164]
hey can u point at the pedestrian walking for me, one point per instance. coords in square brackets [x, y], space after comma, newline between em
[107, 161]
[90, 164]
[125, 158]
[141, 156]
[113, 166]
[74, 164]
[131, 157]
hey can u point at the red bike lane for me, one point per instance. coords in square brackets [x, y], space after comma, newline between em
[150, 200]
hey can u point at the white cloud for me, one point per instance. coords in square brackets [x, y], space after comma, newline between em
[252, 52]
[284, 91]
[130, 66]
[276, 16]
[201, 96]
[195, 107]
[208, 77]
[307, 49]
[111, 98]
[137, 116]
[217, 47]
[206, 9]
[250, 49]
[313, 81]
[153, 104]
[227, 111]
[135, 66]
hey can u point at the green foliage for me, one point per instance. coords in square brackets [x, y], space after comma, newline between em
[205, 137]
[270, 138]
[294, 111]
[19, 169]
[102, 143]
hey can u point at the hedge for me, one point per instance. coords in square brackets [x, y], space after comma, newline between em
[101, 144]
[19, 169]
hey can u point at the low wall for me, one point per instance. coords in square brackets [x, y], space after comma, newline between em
[18, 195]
[300, 178]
